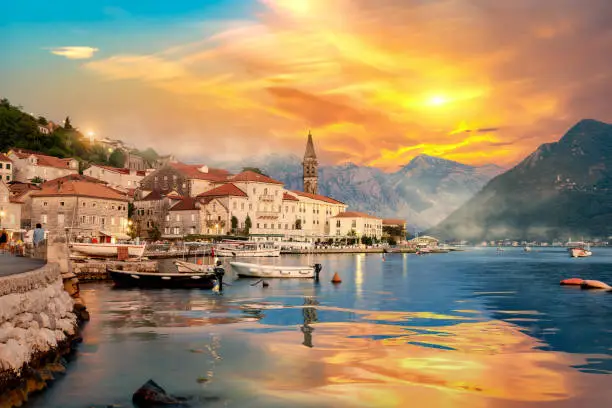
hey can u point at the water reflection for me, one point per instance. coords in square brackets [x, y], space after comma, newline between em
[310, 316]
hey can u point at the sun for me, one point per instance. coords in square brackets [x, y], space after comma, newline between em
[437, 100]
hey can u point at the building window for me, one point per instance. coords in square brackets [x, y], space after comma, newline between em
[167, 217]
[265, 226]
[250, 207]
[177, 230]
[235, 205]
[354, 224]
[178, 217]
[43, 218]
[44, 203]
[338, 223]
[112, 220]
[93, 205]
[192, 217]
[102, 221]
[8, 178]
[242, 206]
[279, 226]
[257, 225]
[254, 190]
[83, 203]
[61, 203]
[8, 166]
[265, 191]
[286, 226]
[286, 208]
[214, 207]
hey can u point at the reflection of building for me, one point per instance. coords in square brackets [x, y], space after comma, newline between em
[394, 229]
[356, 224]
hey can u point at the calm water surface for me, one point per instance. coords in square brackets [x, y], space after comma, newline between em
[469, 329]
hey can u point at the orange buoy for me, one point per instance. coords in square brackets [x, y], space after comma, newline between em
[595, 284]
[572, 281]
[199, 262]
[336, 278]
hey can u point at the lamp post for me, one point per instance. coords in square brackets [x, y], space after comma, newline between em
[2, 214]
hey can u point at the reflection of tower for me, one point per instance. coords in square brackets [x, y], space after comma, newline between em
[310, 316]
[310, 168]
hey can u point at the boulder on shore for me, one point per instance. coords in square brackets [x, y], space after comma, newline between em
[151, 395]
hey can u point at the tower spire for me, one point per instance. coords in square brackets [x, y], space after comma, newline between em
[310, 151]
[310, 167]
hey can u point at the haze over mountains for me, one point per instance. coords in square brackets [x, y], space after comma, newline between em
[562, 190]
[423, 192]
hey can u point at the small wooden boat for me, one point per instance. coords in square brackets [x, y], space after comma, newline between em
[181, 280]
[107, 250]
[251, 270]
[183, 266]
[247, 249]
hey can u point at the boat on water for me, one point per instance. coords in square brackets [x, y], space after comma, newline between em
[579, 252]
[106, 250]
[180, 280]
[527, 248]
[252, 270]
[184, 266]
[249, 249]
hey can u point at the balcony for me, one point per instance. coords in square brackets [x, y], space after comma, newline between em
[268, 215]
[266, 198]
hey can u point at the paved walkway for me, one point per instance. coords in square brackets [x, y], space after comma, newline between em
[10, 264]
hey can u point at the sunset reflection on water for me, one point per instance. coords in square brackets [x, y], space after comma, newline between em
[447, 331]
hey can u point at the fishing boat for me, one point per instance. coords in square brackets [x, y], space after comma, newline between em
[252, 270]
[184, 266]
[106, 250]
[180, 280]
[580, 252]
[246, 249]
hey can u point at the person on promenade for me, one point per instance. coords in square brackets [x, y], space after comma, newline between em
[39, 235]
[3, 239]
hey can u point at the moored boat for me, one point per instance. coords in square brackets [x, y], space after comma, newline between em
[181, 280]
[107, 250]
[247, 249]
[580, 252]
[252, 270]
[183, 266]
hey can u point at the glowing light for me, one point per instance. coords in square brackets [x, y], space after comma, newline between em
[438, 100]
[91, 133]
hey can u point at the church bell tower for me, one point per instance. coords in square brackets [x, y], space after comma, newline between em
[310, 167]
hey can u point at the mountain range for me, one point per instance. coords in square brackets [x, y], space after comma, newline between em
[423, 192]
[563, 189]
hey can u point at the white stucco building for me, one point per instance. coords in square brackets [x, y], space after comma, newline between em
[124, 179]
[29, 165]
[6, 168]
[357, 224]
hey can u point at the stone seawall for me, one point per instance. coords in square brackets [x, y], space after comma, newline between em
[37, 326]
[89, 271]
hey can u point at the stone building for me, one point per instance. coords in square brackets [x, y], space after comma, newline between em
[356, 224]
[187, 180]
[86, 209]
[395, 229]
[10, 209]
[122, 179]
[310, 167]
[6, 168]
[22, 193]
[29, 165]
[134, 161]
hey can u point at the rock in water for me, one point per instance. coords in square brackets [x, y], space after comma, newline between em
[151, 395]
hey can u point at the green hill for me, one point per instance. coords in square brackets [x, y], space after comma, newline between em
[562, 189]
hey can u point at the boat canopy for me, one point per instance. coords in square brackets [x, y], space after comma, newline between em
[116, 235]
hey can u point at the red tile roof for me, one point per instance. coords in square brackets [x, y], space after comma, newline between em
[43, 159]
[251, 176]
[224, 190]
[5, 158]
[393, 221]
[317, 197]
[186, 204]
[289, 197]
[354, 214]
[192, 171]
[119, 170]
[74, 177]
[153, 196]
[19, 189]
[80, 189]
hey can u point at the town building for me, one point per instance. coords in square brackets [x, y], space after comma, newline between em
[314, 212]
[6, 168]
[187, 180]
[122, 179]
[394, 229]
[425, 241]
[10, 210]
[29, 165]
[356, 224]
[22, 193]
[310, 168]
[81, 208]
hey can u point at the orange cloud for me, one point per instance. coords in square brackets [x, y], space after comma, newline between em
[401, 78]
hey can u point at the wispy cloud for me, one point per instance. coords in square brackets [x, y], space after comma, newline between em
[74, 52]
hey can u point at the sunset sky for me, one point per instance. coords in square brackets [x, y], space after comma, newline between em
[377, 81]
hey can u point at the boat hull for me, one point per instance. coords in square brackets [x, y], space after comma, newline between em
[251, 270]
[129, 279]
[107, 250]
[580, 253]
[258, 253]
[187, 267]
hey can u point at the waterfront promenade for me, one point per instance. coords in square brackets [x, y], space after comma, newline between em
[11, 265]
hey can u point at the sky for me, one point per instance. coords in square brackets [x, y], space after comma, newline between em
[376, 81]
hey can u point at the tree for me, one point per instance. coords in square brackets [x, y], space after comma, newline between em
[234, 221]
[130, 210]
[67, 124]
[37, 180]
[247, 225]
[298, 224]
[154, 233]
[117, 158]
[254, 170]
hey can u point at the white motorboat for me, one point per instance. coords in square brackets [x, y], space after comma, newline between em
[251, 270]
[580, 252]
[190, 267]
[247, 249]
[107, 250]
